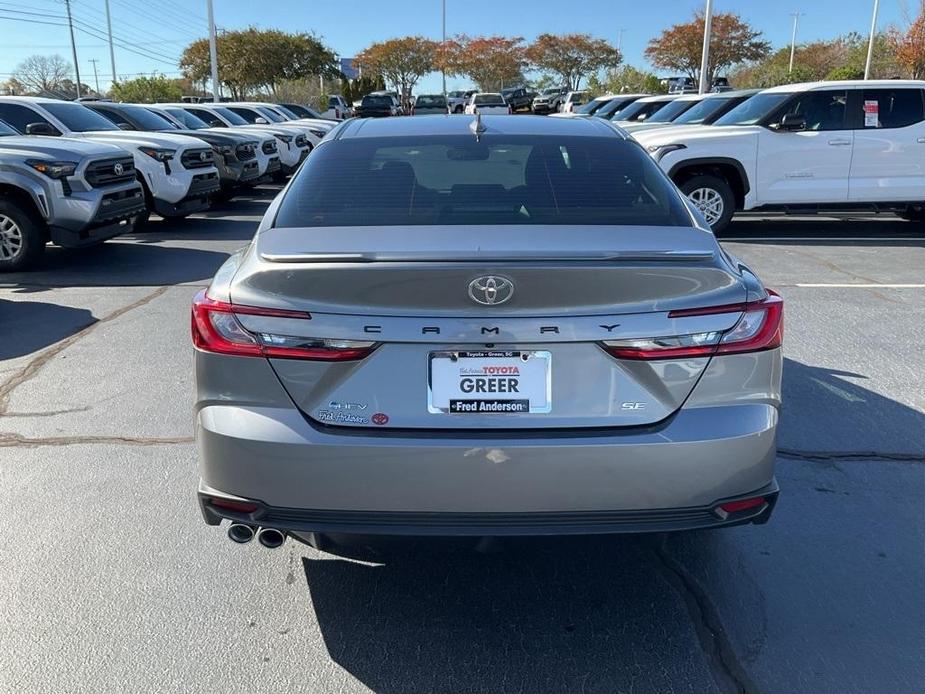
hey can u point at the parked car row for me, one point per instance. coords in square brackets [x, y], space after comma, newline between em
[77, 174]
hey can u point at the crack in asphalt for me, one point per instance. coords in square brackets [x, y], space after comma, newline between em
[818, 456]
[19, 441]
[728, 673]
[31, 369]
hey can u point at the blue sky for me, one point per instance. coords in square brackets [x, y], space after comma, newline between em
[159, 29]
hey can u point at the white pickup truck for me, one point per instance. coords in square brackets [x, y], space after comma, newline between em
[488, 104]
[832, 147]
[177, 172]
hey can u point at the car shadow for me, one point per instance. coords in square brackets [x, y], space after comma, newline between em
[858, 230]
[536, 615]
[29, 326]
[596, 614]
[119, 264]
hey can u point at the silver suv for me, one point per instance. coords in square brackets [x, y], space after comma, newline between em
[491, 326]
[71, 192]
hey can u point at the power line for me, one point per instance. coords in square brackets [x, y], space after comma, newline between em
[179, 24]
[34, 21]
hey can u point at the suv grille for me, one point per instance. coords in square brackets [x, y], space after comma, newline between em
[269, 147]
[301, 141]
[197, 158]
[108, 171]
[246, 151]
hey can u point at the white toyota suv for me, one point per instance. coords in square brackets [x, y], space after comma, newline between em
[177, 172]
[816, 147]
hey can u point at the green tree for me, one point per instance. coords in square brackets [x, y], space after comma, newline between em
[627, 79]
[147, 90]
[259, 59]
[571, 56]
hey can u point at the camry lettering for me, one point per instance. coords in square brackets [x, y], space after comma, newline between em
[610, 328]
[372, 328]
[493, 331]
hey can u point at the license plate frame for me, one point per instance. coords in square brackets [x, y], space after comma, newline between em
[439, 403]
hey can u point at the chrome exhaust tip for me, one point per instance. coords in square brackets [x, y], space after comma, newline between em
[240, 533]
[271, 538]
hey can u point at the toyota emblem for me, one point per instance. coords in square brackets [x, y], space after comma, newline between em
[118, 169]
[203, 156]
[491, 290]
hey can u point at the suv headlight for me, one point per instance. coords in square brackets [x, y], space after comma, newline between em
[223, 149]
[158, 153]
[659, 151]
[285, 138]
[53, 169]
[318, 133]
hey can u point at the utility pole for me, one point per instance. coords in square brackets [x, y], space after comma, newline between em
[443, 49]
[213, 53]
[96, 77]
[705, 59]
[70, 23]
[112, 52]
[793, 38]
[870, 44]
[620, 40]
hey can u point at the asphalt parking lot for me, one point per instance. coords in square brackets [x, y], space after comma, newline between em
[109, 580]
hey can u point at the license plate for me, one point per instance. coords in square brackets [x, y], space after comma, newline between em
[490, 382]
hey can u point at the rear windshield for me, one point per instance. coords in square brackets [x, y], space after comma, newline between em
[509, 179]
[78, 118]
[147, 120]
[377, 101]
[489, 100]
[188, 119]
[668, 112]
[430, 102]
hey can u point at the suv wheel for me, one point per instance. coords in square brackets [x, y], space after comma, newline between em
[713, 197]
[22, 241]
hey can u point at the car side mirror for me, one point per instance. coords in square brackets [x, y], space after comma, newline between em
[261, 121]
[41, 129]
[792, 123]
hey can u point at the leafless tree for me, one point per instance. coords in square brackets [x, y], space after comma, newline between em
[42, 73]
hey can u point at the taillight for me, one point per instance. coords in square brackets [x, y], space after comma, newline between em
[761, 327]
[215, 328]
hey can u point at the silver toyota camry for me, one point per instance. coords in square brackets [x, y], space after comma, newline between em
[484, 326]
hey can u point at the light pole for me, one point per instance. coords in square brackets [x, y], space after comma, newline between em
[70, 23]
[705, 59]
[96, 77]
[112, 52]
[870, 44]
[443, 48]
[213, 53]
[793, 38]
[620, 40]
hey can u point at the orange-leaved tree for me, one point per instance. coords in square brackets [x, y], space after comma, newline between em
[908, 45]
[571, 57]
[492, 62]
[732, 41]
[402, 62]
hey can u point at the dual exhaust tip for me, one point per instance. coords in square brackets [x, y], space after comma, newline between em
[271, 538]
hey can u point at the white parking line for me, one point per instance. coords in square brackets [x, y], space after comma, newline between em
[862, 286]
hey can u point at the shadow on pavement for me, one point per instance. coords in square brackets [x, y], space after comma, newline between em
[215, 227]
[540, 615]
[852, 230]
[119, 264]
[832, 411]
[29, 326]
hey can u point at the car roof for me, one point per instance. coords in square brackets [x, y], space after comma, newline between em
[842, 84]
[460, 125]
[655, 98]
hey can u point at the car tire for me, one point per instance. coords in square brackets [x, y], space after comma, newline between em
[22, 237]
[713, 197]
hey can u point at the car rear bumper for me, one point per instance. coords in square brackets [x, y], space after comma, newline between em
[308, 478]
